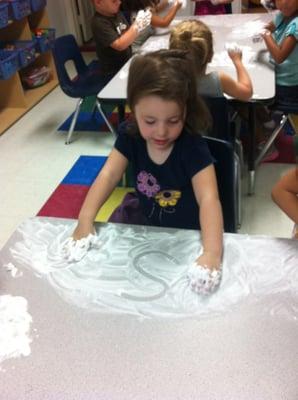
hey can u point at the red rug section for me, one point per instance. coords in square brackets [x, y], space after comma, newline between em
[285, 146]
[65, 202]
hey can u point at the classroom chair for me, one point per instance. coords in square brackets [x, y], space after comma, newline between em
[87, 82]
[226, 170]
[289, 113]
[226, 126]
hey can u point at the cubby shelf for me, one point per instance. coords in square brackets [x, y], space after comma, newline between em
[15, 100]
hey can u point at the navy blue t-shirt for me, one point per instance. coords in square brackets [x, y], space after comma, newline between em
[165, 191]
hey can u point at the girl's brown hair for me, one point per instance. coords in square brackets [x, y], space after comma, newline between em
[169, 74]
[195, 37]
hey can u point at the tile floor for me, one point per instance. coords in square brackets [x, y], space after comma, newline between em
[34, 159]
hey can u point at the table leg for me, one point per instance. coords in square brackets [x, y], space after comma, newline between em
[98, 105]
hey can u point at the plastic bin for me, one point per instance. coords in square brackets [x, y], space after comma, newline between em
[18, 9]
[3, 14]
[24, 48]
[44, 39]
[37, 4]
[36, 77]
[26, 51]
[8, 63]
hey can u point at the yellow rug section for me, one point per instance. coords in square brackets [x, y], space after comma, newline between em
[113, 201]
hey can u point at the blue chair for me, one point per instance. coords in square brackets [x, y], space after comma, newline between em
[226, 126]
[88, 81]
[224, 154]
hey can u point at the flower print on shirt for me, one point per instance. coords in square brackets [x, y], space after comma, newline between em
[147, 184]
[168, 198]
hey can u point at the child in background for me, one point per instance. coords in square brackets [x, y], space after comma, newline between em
[174, 175]
[281, 37]
[113, 36]
[157, 20]
[285, 193]
[196, 38]
[213, 7]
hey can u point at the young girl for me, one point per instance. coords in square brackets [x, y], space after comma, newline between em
[195, 37]
[281, 38]
[173, 170]
[206, 7]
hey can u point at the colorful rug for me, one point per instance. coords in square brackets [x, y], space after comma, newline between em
[68, 197]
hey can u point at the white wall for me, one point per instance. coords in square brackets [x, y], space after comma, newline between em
[62, 15]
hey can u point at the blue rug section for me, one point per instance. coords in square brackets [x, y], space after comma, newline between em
[85, 170]
[87, 121]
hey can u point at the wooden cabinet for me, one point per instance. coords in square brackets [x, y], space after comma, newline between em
[15, 100]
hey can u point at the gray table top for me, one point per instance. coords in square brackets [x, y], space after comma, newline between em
[93, 346]
[239, 28]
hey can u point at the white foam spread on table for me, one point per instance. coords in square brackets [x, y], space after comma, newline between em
[144, 272]
[15, 324]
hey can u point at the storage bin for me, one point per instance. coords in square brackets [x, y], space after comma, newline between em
[24, 48]
[44, 39]
[36, 77]
[18, 9]
[26, 52]
[3, 14]
[8, 63]
[38, 5]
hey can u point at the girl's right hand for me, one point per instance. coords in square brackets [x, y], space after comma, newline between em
[83, 230]
[235, 56]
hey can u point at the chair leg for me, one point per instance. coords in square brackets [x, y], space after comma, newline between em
[239, 152]
[238, 192]
[271, 139]
[98, 105]
[73, 122]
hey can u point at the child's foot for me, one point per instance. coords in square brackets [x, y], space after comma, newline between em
[272, 153]
[270, 125]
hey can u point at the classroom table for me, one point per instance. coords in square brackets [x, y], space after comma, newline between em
[229, 28]
[128, 337]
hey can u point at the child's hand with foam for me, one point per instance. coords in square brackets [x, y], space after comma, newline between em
[234, 52]
[181, 3]
[203, 280]
[205, 274]
[74, 250]
[143, 19]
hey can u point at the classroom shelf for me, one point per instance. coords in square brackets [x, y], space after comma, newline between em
[15, 100]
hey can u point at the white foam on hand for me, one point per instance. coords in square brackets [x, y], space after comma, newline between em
[183, 2]
[74, 250]
[143, 19]
[203, 280]
[233, 47]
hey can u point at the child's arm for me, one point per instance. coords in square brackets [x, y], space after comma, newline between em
[279, 52]
[100, 190]
[242, 88]
[164, 21]
[126, 39]
[285, 194]
[143, 19]
[211, 219]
